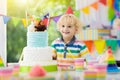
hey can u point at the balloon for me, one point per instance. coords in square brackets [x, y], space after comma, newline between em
[117, 5]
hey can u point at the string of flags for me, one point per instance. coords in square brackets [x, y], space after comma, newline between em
[101, 45]
[24, 21]
[92, 11]
[45, 18]
[112, 6]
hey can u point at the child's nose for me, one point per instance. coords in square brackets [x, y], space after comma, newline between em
[65, 28]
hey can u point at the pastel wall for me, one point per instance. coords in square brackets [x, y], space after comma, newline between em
[3, 52]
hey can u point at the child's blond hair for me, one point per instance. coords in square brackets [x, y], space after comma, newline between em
[71, 20]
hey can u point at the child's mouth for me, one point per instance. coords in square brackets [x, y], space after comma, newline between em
[66, 32]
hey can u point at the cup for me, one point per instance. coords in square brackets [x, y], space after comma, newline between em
[5, 73]
[90, 64]
[90, 75]
[15, 67]
[79, 64]
[65, 64]
[101, 71]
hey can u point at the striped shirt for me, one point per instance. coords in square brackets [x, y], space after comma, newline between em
[66, 53]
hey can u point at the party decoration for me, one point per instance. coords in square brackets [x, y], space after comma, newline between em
[1, 62]
[119, 43]
[15, 20]
[117, 5]
[104, 2]
[46, 16]
[111, 13]
[24, 22]
[110, 3]
[94, 5]
[100, 45]
[45, 21]
[6, 19]
[112, 66]
[89, 45]
[100, 7]
[86, 10]
[69, 10]
[56, 18]
[112, 44]
[77, 13]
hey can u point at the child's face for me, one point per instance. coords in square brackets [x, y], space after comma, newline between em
[67, 31]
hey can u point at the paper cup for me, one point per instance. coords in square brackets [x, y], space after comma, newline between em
[79, 64]
[65, 64]
[100, 67]
[90, 64]
[101, 71]
[15, 67]
[5, 73]
[90, 75]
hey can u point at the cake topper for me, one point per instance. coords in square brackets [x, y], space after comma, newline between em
[38, 24]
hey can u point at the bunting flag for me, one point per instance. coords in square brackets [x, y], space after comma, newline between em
[119, 43]
[117, 5]
[6, 19]
[56, 18]
[112, 43]
[89, 44]
[111, 13]
[77, 13]
[95, 5]
[86, 10]
[24, 21]
[15, 20]
[100, 46]
[104, 2]
[1, 62]
[110, 3]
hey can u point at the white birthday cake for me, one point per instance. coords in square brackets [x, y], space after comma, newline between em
[37, 51]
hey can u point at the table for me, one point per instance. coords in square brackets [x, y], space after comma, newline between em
[76, 75]
[69, 75]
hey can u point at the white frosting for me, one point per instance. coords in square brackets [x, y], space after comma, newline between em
[33, 54]
[31, 27]
[42, 63]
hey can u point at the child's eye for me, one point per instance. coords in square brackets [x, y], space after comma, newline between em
[63, 26]
[69, 26]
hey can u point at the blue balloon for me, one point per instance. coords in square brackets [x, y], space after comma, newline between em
[117, 5]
